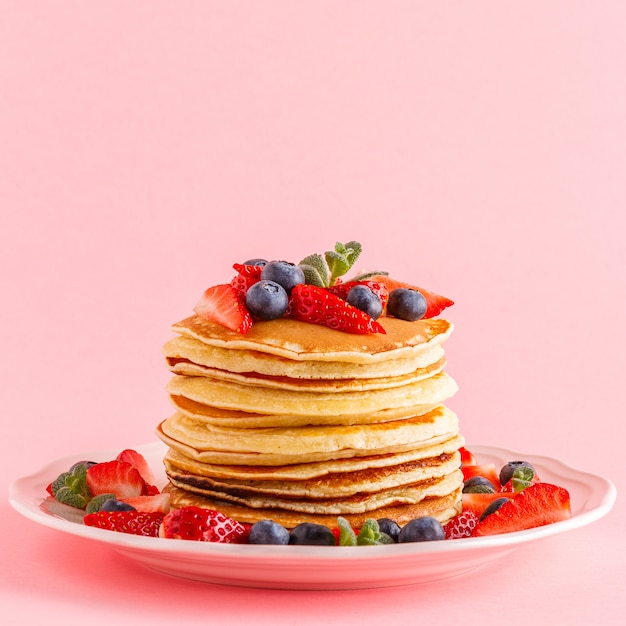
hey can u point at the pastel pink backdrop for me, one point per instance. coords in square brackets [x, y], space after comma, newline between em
[474, 148]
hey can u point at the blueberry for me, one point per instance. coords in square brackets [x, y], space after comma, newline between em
[389, 527]
[478, 484]
[115, 505]
[87, 465]
[493, 506]
[261, 262]
[421, 529]
[286, 274]
[311, 534]
[506, 472]
[268, 531]
[267, 300]
[406, 304]
[364, 299]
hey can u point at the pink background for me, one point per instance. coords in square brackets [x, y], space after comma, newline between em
[474, 148]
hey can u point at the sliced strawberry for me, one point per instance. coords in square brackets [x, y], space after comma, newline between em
[461, 525]
[150, 504]
[223, 305]
[242, 283]
[478, 502]
[198, 524]
[436, 303]
[249, 271]
[487, 470]
[130, 522]
[317, 305]
[467, 458]
[138, 461]
[117, 477]
[537, 505]
[342, 289]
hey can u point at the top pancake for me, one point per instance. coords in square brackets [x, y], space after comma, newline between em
[299, 341]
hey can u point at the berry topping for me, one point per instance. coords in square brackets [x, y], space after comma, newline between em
[486, 470]
[406, 304]
[421, 529]
[224, 305]
[517, 475]
[268, 532]
[150, 503]
[318, 306]
[267, 300]
[311, 534]
[117, 477]
[130, 522]
[364, 299]
[435, 302]
[478, 484]
[258, 262]
[461, 525]
[493, 506]
[197, 524]
[389, 527]
[286, 274]
[113, 504]
[537, 505]
[138, 461]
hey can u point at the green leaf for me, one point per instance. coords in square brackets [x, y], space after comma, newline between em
[367, 275]
[370, 535]
[315, 270]
[94, 505]
[71, 487]
[347, 536]
[522, 477]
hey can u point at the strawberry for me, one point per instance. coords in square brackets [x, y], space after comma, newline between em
[342, 289]
[150, 503]
[467, 458]
[478, 502]
[461, 525]
[487, 471]
[436, 303]
[537, 505]
[242, 283]
[130, 522]
[223, 305]
[117, 477]
[138, 461]
[248, 271]
[198, 524]
[317, 305]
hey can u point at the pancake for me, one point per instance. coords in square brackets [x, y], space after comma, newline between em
[441, 508]
[298, 422]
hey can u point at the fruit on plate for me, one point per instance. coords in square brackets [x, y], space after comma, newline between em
[223, 304]
[130, 522]
[197, 524]
[537, 505]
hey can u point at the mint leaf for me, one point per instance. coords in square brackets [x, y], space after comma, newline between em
[347, 536]
[342, 258]
[370, 535]
[522, 477]
[315, 270]
[367, 275]
[95, 504]
[71, 487]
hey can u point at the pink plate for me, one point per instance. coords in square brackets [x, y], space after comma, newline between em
[316, 567]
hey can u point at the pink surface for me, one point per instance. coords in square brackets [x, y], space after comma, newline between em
[475, 149]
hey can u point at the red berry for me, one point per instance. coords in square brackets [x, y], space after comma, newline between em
[130, 522]
[478, 502]
[537, 505]
[435, 302]
[150, 503]
[343, 289]
[317, 305]
[249, 271]
[138, 461]
[461, 525]
[117, 477]
[198, 524]
[224, 305]
[467, 458]
[487, 471]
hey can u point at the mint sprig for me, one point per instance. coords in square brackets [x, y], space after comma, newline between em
[324, 270]
[522, 477]
[71, 487]
[369, 535]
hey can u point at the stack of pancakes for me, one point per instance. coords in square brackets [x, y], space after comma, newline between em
[300, 423]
